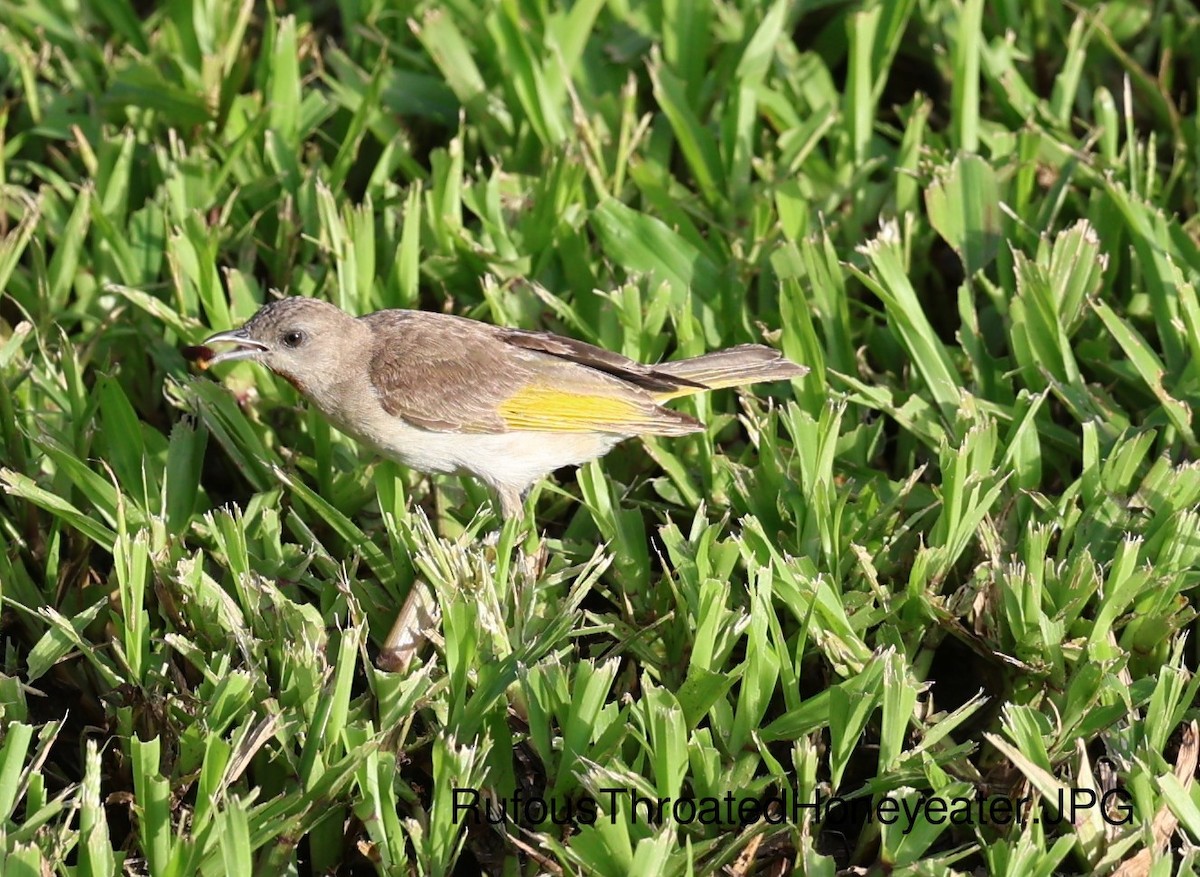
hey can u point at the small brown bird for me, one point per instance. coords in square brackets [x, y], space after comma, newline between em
[447, 394]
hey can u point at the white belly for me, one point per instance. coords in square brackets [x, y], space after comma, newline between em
[513, 460]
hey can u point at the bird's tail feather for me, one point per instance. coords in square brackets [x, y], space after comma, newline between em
[746, 364]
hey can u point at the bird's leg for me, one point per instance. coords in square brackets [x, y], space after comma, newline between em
[512, 503]
[512, 508]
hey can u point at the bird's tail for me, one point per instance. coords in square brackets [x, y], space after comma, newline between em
[746, 364]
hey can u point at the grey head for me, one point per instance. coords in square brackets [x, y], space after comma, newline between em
[307, 341]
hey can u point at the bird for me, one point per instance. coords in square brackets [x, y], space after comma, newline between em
[441, 393]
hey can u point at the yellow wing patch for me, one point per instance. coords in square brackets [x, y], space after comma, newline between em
[550, 410]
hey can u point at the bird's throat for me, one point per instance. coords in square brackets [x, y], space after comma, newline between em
[295, 382]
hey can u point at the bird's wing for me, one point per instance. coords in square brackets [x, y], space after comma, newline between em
[648, 377]
[550, 406]
[449, 374]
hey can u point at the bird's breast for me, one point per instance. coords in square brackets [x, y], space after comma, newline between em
[515, 458]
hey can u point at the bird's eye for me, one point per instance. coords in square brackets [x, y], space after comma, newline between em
[293, 338]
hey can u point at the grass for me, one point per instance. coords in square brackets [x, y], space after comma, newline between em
[957, 562]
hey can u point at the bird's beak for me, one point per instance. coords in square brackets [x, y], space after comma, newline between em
[245, 346]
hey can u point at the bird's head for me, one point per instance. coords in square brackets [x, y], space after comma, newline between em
[307, 341]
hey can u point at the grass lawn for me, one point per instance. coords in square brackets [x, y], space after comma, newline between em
[929, 609]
